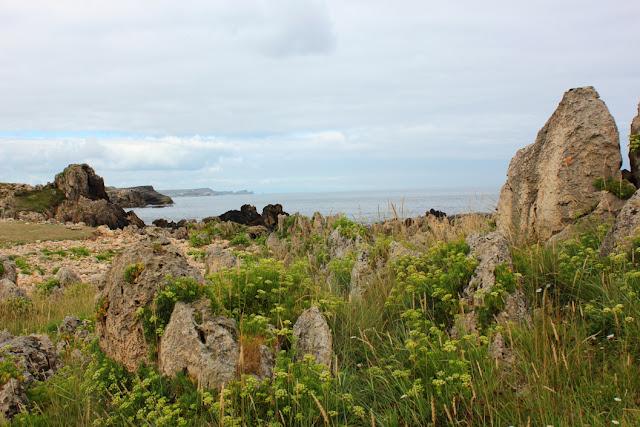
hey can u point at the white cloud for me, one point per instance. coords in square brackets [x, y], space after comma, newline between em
[284, 82]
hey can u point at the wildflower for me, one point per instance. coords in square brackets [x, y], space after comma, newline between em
[616, 422]
[617, 399]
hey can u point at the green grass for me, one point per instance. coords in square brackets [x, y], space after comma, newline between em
[18, 232]
[38, 200]
[395, 362]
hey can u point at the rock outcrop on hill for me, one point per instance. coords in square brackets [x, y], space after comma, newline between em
[78, 181]
[552, 180]
[137, 197]
[634, 159]
[119, 328]
[86, 199]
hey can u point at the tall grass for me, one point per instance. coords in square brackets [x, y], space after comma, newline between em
[395, 362]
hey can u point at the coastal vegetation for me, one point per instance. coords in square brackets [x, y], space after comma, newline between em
[395, 361]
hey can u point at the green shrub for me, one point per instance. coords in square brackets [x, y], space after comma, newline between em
[433, 281]
[634, 143]
[38, 200]
[239, 240]
[80, 251]
[199, 239]
[350, 229]
[621, 188]
[197, 254]
[132, 272]
[8, 370]
[106, 256]
[158, 313]
[341, 269]
[47, 287]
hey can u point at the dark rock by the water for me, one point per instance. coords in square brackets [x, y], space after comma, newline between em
[436, 213]
[248, 215]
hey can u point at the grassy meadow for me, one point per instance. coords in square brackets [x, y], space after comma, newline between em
[395, 362]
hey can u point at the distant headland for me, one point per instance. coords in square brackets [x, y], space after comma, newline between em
[201, 192]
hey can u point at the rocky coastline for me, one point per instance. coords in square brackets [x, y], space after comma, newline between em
[202, 302]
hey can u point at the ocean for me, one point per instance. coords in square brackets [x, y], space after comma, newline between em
[362, 206]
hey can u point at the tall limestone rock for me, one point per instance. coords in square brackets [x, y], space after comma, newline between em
[86, 199]
[634, 159]
[81, 181]
[551, 181]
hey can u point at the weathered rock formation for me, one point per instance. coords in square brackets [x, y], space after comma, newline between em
[35, 354]
[9, 290]
[92, 213]
[86, 199]
[216, 258]
[8, 269]
[78, 181]
[625, 228]
[552, 180]
[492, 250]
[118, 328]
[634, 159]
[209, 350]
[314, 336]
[13, 399]
[137, 197]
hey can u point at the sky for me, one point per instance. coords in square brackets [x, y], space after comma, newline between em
[300, 95]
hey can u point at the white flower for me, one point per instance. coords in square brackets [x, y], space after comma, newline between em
[616, 422]
[617, 399]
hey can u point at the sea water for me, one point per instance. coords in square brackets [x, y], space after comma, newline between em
[363, 206]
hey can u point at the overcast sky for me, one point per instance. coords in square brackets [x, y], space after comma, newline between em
[300, 95]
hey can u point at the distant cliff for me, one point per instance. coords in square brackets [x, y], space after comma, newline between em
[199, 192]
[137, 197]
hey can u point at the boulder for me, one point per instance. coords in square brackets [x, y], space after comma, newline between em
[119, 328]
[317, 222]
[216, 258]
[247, 215]
[256, 230]
[67, 276]
[490, 250]
[270, 215]
[314, 336]
[8, 269]
[551, 180]
[8, 290]
[13, 399]
[397, 251]
[208, 351]
[36, 354]
[634, 159]
[605, 211]
[625, 228]
[133, 219]
[340, 246]
[362, 274]
[92, 212]
[78, 181]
